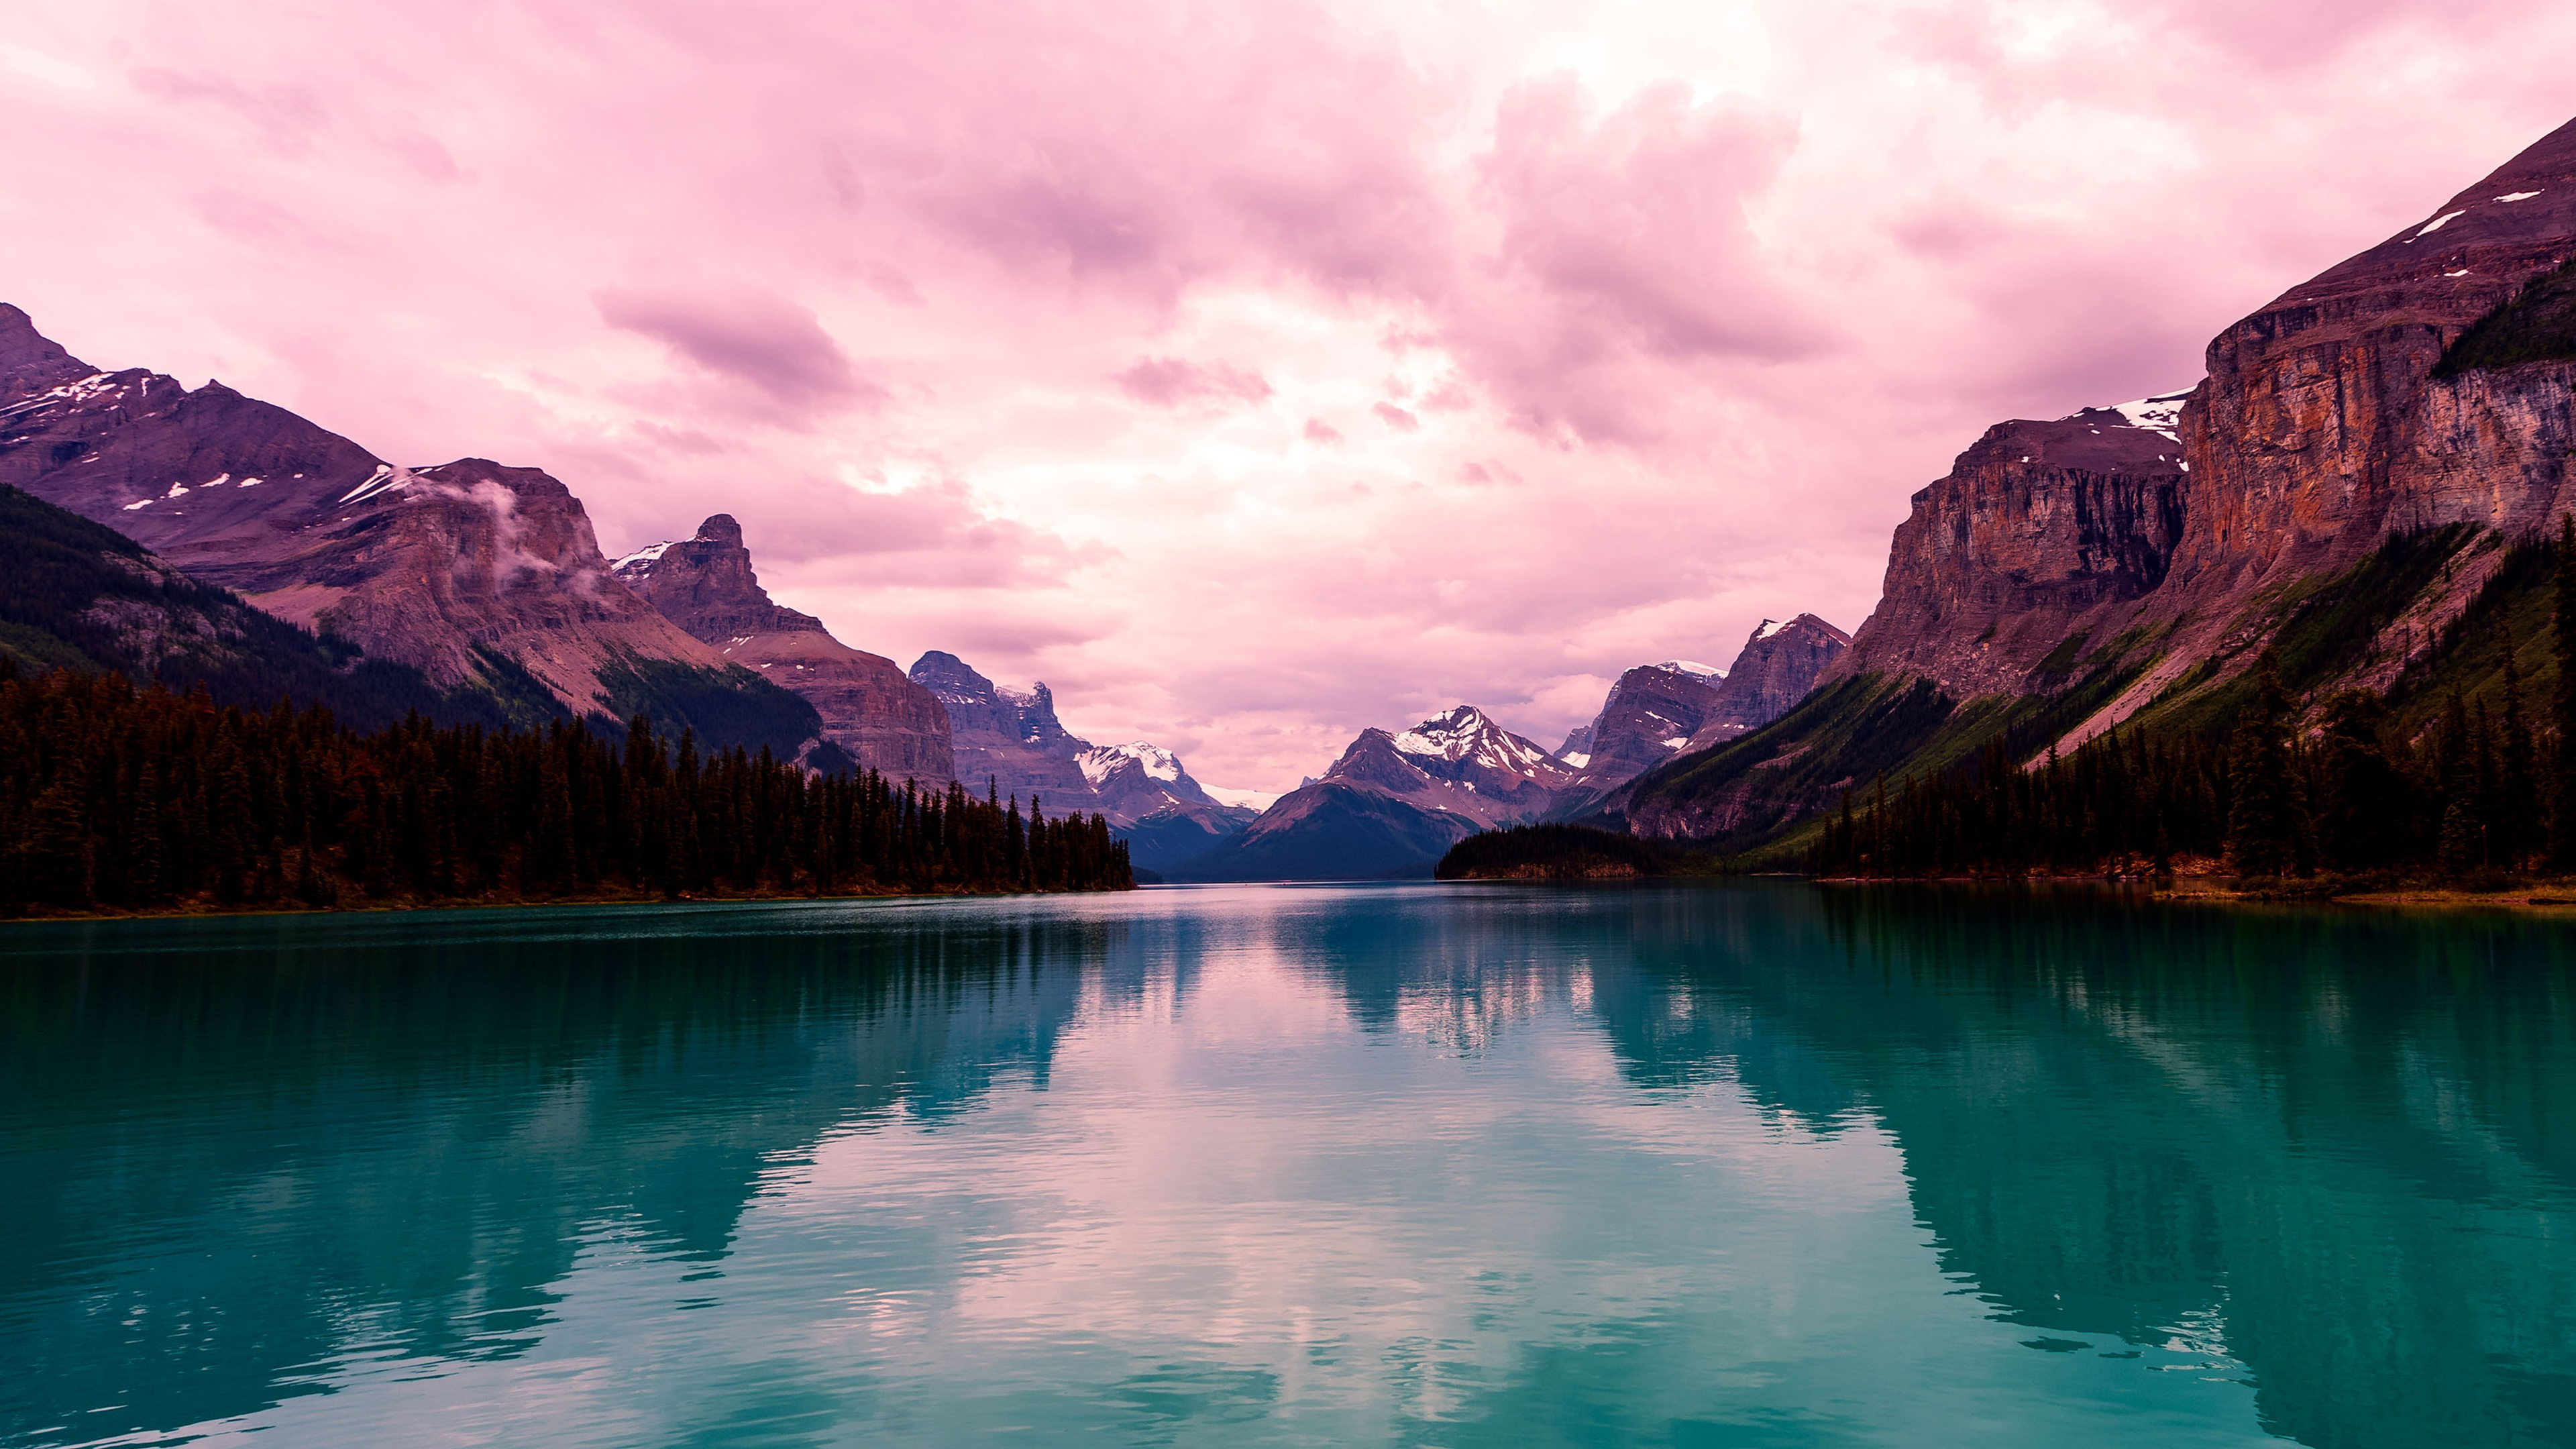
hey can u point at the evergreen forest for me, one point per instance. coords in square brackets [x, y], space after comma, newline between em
[123, 797]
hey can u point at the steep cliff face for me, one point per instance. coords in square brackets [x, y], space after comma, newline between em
[874, 714]
[1010, 740]
[2040, 532]
[2325, 425]
[475, 574]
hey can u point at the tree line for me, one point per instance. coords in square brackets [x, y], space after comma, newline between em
[2476, 792]
[124, 796]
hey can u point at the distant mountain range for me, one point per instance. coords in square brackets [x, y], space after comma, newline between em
[233, 543]
[1396, 801]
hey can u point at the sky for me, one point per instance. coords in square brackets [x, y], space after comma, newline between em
[1251, 374]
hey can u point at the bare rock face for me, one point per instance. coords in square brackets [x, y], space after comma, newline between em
[1006, 740]
[1652, 711]
[1779, 664]
[2041, 531]
[875, 715]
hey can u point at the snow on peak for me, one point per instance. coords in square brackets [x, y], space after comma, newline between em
[1099, 763]
[1769, 628]
[1686, 666]
[649, 553]
[1450, 736]
[2159, 414]
[386, 476]
[1255, 799]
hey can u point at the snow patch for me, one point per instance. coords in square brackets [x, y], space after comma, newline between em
[2462, 272]
[2159, 414]
[1099, 763]
[385, 477]
[2439, 222]
[1254, 799]
[1686, 666]
[1578, 759]
[1769, 628]
[1676, 742]
[2518, 196]
[649, 553]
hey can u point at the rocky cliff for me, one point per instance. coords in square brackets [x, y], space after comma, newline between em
[2041, 532]
[868, 708]
[1009, 740]
[477, 575]
[1779, 663]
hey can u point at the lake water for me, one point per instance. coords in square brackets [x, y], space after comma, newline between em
[1738, 1165]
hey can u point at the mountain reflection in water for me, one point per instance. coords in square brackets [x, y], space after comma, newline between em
[1741, 1164]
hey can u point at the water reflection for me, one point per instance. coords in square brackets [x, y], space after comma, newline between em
[1749, 1165]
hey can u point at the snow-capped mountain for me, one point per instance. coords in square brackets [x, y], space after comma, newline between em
[1010, 740]
[1393, 802]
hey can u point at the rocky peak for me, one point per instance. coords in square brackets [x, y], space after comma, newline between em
[30, 362]
[1780, 663]
[705, 584]
[1463, 745]
[1008, 737]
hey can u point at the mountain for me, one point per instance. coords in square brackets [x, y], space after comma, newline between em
[2348, 481]
[877, 717]
[1012, 742]
[474, 574]
[1003, 738]
[80, 595]
[1779, 663]
[1657, 712]
[1392, 804]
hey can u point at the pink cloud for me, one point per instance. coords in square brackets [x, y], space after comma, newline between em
[1171, 381]
[749, 337]
[1396, 418]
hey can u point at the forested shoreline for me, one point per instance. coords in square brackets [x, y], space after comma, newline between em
[2294, 790]
[120, 797]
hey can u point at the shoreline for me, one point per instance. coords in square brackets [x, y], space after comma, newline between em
[203, 911]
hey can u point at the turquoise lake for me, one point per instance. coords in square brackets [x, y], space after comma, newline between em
[1722, 1165]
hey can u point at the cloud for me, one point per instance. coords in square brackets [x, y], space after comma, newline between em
[1171, 382]
[1396, 417]
[765, 342]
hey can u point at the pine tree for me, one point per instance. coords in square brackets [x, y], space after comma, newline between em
[2562, 814]
[2264, 823]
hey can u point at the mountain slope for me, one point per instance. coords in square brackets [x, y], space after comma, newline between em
[466, 572]
[79, 595]
[874, 715]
